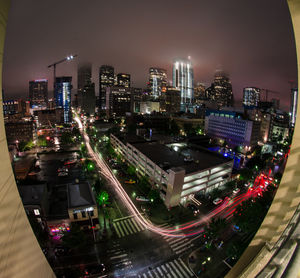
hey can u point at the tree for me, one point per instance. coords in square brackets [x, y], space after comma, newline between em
[75, 238]
[66, 138]
[25, 146]
[230, 185]
[245, 174]
[173, 128]
[215, 227]
[131, 170]
[215, 193]
[153, 196]
[41, 141]
[99, 184]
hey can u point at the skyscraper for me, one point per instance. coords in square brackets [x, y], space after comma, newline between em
[183, 79]
[86, 89]
[220, 90]
[106, 79]
[123, 80]
[63, 87]
[251, 97]
[157, 81]
[293, 108]
[199, 93]
[38, 93]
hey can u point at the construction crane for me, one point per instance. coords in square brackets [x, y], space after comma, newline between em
[267, 91]
[68, 58]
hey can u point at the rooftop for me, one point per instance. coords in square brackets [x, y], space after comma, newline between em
[172, 157]
[80, 195]
[32, 194]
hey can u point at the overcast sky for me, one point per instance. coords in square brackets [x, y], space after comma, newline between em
[252, 39]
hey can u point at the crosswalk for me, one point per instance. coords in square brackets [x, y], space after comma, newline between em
[172, 269]
[180, 244]
[119, 259]
[127, 226]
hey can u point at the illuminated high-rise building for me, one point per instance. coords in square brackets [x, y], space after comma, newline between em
[183, 79]
[293, 108]
[63, 87]
[38, 93]
[220, 90]
[123, 80]
[157, 82]
[86, 89]
[106, 79]
[251, 97]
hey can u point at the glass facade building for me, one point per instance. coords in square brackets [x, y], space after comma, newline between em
[38, 93]
[183, 79]
[106, 79]
[63, 87]
[251, 97]
[157, 81]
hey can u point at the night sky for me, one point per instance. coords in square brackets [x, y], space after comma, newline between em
[252, 39]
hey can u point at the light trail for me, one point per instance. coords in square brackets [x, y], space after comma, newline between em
[225, 207]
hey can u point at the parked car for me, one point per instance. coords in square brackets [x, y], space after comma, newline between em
[130, 181]
[62, 174]
[142, 199]
[217, 201]
[236, 191]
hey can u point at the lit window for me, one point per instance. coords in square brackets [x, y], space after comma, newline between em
[36, 212]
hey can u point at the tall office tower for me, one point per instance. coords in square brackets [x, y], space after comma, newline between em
[293, 108]
[63, 87]
[157, 82]
[251, 97]
[38, 93]
[183, 79]
[220, 90]
[118, 101]
[123, 80]
[199, 93]
[106, 79]
[86, 89]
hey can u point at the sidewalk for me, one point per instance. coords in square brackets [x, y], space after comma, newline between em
[207, 262]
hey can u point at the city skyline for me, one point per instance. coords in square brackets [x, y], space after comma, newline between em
[260, 53]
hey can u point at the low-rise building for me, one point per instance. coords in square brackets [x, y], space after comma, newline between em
[232, 127]
[19, 131]
[82, 207]
[179, 172]
[49, 117]
[72, 203]
[118, 101]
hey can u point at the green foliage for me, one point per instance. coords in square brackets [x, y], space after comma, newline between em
[131, 170]
[153, 196]
[230, 185]
[189, 129]
[75, 238]
[102, 198]
[41, 141]
[25, 146]
[215, 193]
[256, 163]
[245, 174]
[215, 227]
[66, 138]
[99, 184]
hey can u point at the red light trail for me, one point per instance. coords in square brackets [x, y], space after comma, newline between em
[225, 210]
